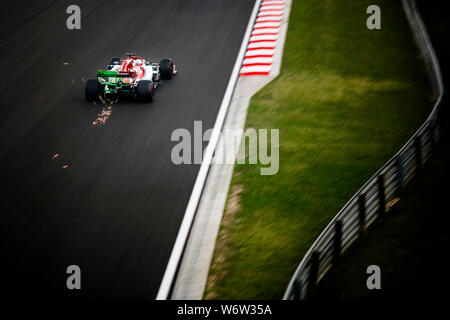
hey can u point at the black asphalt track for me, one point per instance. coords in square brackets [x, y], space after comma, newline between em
[115, 210]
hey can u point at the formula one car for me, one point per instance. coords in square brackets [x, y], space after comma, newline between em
[133, 76]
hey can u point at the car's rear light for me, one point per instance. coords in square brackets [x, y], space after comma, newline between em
[108, 79]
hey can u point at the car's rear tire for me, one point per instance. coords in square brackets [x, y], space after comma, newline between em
[166, 69]
[92, 90]
[145, 91]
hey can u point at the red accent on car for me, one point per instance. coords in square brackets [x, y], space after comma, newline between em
[261, 73]
[129, 67]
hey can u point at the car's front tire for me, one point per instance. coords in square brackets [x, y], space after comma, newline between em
[145, 91]
[92, 90]
[166, 69]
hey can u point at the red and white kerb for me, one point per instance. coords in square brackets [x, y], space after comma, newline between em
[261, 47]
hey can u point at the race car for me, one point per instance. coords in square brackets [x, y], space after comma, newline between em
[132, 75]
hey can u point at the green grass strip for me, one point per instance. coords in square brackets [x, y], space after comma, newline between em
[346, 100]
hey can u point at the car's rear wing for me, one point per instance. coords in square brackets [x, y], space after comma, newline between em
[114, 78]
[114, 74]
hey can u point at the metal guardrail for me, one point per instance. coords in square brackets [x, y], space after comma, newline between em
[381, 189]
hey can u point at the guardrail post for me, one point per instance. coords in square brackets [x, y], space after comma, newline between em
[313, 272]
[337, 242]
[362, 214]
[381, 195]
[297, 290]
[418, 152]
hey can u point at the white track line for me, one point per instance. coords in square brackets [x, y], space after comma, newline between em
[263, 37]
[177, 251]
[272, 7]
[267, 24]
[256, 69]
[257, 60]
[262, 44]
[274, 13]
[265, 31]
[268, 18]
[260, 52]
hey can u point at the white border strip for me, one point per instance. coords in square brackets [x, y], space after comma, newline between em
[189, 214]
[415, 21]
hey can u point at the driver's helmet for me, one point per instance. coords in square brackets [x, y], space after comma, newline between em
[138, 63]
